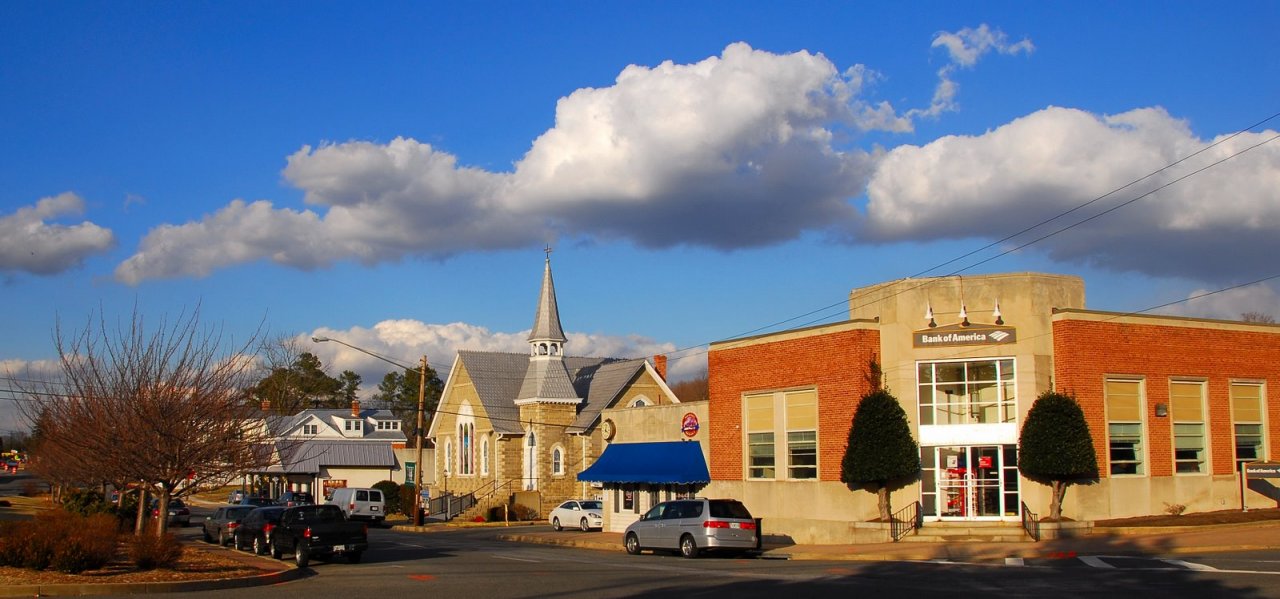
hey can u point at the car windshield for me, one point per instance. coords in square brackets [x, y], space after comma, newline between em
[237, 513]
[593, 505]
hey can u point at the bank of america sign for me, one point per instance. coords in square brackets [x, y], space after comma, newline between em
[975, 334]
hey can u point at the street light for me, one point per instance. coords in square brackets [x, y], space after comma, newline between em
[422, 394]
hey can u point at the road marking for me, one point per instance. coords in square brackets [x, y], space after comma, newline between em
[516, 559]
[411, 545]
[1095, 562]
[1014, 561]
[1190, 565]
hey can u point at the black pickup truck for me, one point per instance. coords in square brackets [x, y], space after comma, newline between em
[319, 531]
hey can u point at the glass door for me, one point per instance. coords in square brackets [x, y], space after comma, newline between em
[970, 482]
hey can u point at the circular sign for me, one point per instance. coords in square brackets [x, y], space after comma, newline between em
[689, 424]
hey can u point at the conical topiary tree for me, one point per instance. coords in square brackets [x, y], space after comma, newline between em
[1055, 447]
[881, 449]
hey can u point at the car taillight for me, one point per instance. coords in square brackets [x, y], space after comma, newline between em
[266, 528]
[306, 534]
[714, 524]
[351, 508]
[232, 525]
[748, 526]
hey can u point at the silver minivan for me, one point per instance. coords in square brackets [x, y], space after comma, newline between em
[693, 526]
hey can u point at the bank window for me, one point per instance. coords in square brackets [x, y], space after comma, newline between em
[802, 434]
[967, 392]
[1246, 417]
[1124, 426]
[789, 417]
[1186, 406]
[760, 450]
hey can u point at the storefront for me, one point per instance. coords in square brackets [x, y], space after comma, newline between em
[637, 476]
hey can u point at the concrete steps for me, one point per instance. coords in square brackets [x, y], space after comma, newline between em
[969, 532]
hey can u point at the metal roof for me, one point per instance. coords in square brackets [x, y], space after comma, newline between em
[310, 456]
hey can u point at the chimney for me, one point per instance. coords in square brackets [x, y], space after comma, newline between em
[266, 405]
[355, 408]
[660, 364]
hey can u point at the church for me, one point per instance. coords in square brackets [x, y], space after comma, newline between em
[525, 425]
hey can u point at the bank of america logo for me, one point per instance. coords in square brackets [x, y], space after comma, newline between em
[998, 335]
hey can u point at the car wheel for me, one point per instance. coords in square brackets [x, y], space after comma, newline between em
[555, 524]
[583, 525]
[274, 548]
[354, 556]
[302, 555]
[632, 544]
[236, 543]
[688, 548]
[208, 538]
[259, 546]
[222, 538]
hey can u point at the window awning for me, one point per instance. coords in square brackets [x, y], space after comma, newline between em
[674, 462]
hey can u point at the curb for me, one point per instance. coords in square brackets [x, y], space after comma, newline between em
[285, 574]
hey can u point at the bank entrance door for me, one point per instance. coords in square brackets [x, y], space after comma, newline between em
[973, 482]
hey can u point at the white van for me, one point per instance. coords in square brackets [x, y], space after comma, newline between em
[360, 504]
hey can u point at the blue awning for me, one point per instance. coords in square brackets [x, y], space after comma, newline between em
[675, 462]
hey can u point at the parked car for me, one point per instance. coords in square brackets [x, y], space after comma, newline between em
[693, 526]
[295, 498]
[177, 512]
[237, 496]
[254, 531]
[320, 531]
[11, 466]
[586, 514]
[360, 504]
[256, 501]
[224, 522]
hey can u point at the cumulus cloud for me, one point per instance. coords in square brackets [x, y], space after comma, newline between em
[30, 243]
[405, 340]
[735, 150]
[1216, 226]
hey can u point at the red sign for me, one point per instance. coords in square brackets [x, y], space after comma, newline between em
[984, 461]
[689, 424]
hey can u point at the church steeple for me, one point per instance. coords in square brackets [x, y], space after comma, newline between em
[547, 338]
[547, 380]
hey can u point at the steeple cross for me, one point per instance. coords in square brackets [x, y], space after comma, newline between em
[548, 250]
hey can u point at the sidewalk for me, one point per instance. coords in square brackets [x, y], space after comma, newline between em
[1119, 541]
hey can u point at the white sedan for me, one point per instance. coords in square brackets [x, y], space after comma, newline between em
[586, 514]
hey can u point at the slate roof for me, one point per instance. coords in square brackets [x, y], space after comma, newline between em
[498, 378]
[546, 319]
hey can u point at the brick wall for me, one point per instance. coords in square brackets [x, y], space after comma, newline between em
[1086, 352]
[835, 363]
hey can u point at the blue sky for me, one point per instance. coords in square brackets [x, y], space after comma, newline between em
[389, 174]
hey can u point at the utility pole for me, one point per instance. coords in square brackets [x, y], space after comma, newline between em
[417, 472]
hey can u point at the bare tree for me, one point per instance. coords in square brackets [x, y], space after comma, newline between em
[1259, 317]
[163, 407]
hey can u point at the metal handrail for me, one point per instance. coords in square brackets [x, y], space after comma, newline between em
[905, 520]
[1030, 523]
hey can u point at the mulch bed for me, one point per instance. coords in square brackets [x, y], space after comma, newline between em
[1197, 519]
[195, 564]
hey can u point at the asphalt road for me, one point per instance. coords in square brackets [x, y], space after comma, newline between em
[472, 563]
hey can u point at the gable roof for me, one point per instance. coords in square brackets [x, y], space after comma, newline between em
[289, 424]
[498, 377]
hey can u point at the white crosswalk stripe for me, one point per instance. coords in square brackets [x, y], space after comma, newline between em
[1095, 562]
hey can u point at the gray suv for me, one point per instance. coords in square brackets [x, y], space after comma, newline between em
[693, 526]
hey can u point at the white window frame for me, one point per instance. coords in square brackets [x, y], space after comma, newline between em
[311, 429]
[484, 455]
[1261, 423]
[557, 460]
[779, 439]
[1203, 464]
[972, 411]
[1140, 460]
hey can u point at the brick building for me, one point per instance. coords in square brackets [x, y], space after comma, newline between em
[1174, 404]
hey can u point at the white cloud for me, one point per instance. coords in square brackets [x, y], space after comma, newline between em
[735, 150]
[1230, 304]
[404, 341]
[964, 48]
[1215, 226]
[30, 243]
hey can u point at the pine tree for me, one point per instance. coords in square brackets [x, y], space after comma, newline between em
[881, 449]
[1056, 447]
